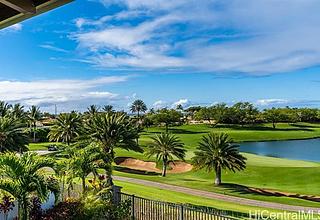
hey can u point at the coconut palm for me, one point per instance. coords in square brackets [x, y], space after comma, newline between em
[4, 108]
[107, 108]
[92, 110]
[217, 152]
[21, 176]
[34, 116]
[18, 112]
[86, 161]
[109, 131]
[12, 137]
[66, 128]
[138, 106]
[165, 147]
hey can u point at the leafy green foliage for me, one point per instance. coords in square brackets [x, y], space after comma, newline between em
[165, 147]
[216, 152]
[66, 128]
[21, 176]
[12, 138]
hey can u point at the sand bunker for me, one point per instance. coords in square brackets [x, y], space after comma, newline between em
[177, 167]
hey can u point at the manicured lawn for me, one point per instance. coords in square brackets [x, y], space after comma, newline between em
[42, 146]
[262, 172]
[177, 197]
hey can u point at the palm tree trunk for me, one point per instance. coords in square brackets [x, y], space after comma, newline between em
[83, 185]
[34, 131]
[273, 125]
[23, 209]
[217, 180]
[164, 168]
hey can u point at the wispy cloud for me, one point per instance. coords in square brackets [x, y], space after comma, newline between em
[255, 37]
[69, 92]
[13, 28]
[54, 48]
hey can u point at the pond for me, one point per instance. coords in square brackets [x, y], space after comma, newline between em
[295, 149]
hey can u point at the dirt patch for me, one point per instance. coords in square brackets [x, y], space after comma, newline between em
[176, 167]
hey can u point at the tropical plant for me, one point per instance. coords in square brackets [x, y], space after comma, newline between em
[66, 128]
[138, 106]
[12, 138]
[217, 152]
[86, 161]
[92, 110]
[34, 115]
[4, 108]
[165, 147]
[107, 108]
[167, 117]
[109, 131]
[22, 177]
[18, 112]
[6, 206]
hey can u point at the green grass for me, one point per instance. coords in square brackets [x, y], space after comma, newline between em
[262, 172]
[177, 197]
[42, 146]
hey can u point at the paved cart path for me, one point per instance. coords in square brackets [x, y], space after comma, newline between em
[218, 196]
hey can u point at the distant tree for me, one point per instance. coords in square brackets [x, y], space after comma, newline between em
[167, 116]
[34, 115]
[92, 110]
[138, 106]
[12, 137]
[107, 108]
[243, 113]
[217, 152]
[66, 128]
[219, 112]
[179, 107]
[205, 113]
[164, 147]
[273, 116]
[22, 176]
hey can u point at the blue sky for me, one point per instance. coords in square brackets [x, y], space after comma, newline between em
[165, 52]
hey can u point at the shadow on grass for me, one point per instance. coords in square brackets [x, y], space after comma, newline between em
[134, 171]
[178, 131]
[266, 192]
[263, 128]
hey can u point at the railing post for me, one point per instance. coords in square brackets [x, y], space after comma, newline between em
[116, 194]
[132, 207]
[181, 213]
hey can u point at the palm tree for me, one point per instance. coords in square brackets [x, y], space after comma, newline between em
[165, 146]
[12, 137]
[66, 128]
[4, 108]
[216, 152]
[18, 112]
[138, 106]
[22, 177]
[34, 116]
[86, 161]
[111, 130]
[92, 110]
[108, 108]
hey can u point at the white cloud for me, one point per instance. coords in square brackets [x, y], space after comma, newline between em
[159, 104]
[54, 48]
[258, 37]
[12, 28]
[50, 92]
[183, 102]
[267, 102]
